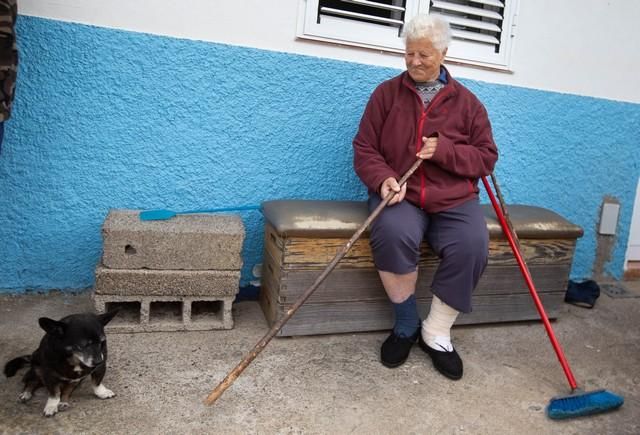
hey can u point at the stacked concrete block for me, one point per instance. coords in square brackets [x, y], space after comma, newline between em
[172, 275]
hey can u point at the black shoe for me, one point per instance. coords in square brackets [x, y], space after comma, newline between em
[395, 349]
[447, 363]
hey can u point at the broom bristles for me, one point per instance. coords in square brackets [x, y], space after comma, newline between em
[583, 403]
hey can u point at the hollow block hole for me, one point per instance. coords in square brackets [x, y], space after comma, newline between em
[165, 312]
[128, 312]
[206, 311]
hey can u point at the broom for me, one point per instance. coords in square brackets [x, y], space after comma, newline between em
[578, 402]
[259, 347]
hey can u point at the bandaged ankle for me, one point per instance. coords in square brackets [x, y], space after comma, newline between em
[436, 328]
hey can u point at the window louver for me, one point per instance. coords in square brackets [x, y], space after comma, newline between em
[383, 12]
[473, 20]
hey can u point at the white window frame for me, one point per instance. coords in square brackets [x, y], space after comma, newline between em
[369, 35]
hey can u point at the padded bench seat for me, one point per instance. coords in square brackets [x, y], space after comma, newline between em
[303, 236]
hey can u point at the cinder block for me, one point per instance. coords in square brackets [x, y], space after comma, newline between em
[147, 282]
[185, 242]
[166, 313]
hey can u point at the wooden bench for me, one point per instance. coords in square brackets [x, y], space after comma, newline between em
[301, 237]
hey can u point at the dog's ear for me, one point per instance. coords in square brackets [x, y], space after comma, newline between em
[51, 326]
[106, 317]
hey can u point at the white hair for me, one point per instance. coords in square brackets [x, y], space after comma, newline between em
[430, 27]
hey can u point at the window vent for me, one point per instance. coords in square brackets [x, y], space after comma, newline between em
[476, 20]
[390, 13]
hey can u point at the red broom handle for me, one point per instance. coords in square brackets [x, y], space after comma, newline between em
[507, 230]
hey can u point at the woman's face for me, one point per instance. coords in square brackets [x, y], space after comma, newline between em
[423, 60]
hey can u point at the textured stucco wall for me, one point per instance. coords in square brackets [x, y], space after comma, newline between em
[113, 119]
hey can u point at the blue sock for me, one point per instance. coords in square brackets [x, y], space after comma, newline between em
[407, 319]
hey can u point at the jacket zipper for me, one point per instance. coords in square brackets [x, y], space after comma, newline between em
[423, 190]
[423, 116]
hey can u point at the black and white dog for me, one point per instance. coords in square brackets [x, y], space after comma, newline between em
[72, 349]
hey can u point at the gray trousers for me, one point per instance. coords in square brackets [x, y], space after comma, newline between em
[458, 236]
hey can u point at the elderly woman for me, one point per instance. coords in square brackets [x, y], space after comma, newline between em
[424, 113]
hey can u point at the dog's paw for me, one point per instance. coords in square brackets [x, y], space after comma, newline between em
[50, 410]
[25, 396]
[63, 406]
[103, 392]
[51, 407]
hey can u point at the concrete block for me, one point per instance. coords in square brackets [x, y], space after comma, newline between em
[166, 313]
[147, 282]
[185, 242]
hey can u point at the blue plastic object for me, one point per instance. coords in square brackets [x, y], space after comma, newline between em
[583, 403]
[163, 215]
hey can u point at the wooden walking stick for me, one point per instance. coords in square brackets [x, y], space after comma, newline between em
[237, 371]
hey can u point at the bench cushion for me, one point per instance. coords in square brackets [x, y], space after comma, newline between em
[340, 219]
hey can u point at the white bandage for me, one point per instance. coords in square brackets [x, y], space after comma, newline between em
[436, 328]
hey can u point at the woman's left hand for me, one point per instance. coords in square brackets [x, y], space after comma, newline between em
[429, 145]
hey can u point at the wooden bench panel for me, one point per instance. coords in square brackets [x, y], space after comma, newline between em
[305, 253]
[364, 284]
[361, 316]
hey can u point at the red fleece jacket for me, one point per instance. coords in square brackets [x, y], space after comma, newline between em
[390, 135]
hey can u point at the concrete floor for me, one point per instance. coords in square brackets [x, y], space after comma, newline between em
[335, 384]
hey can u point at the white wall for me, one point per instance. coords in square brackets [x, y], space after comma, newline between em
[633, 249]
[583, 47]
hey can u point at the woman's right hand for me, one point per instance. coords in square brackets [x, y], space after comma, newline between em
[391, 185]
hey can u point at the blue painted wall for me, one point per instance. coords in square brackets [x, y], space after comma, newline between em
[113, 119]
